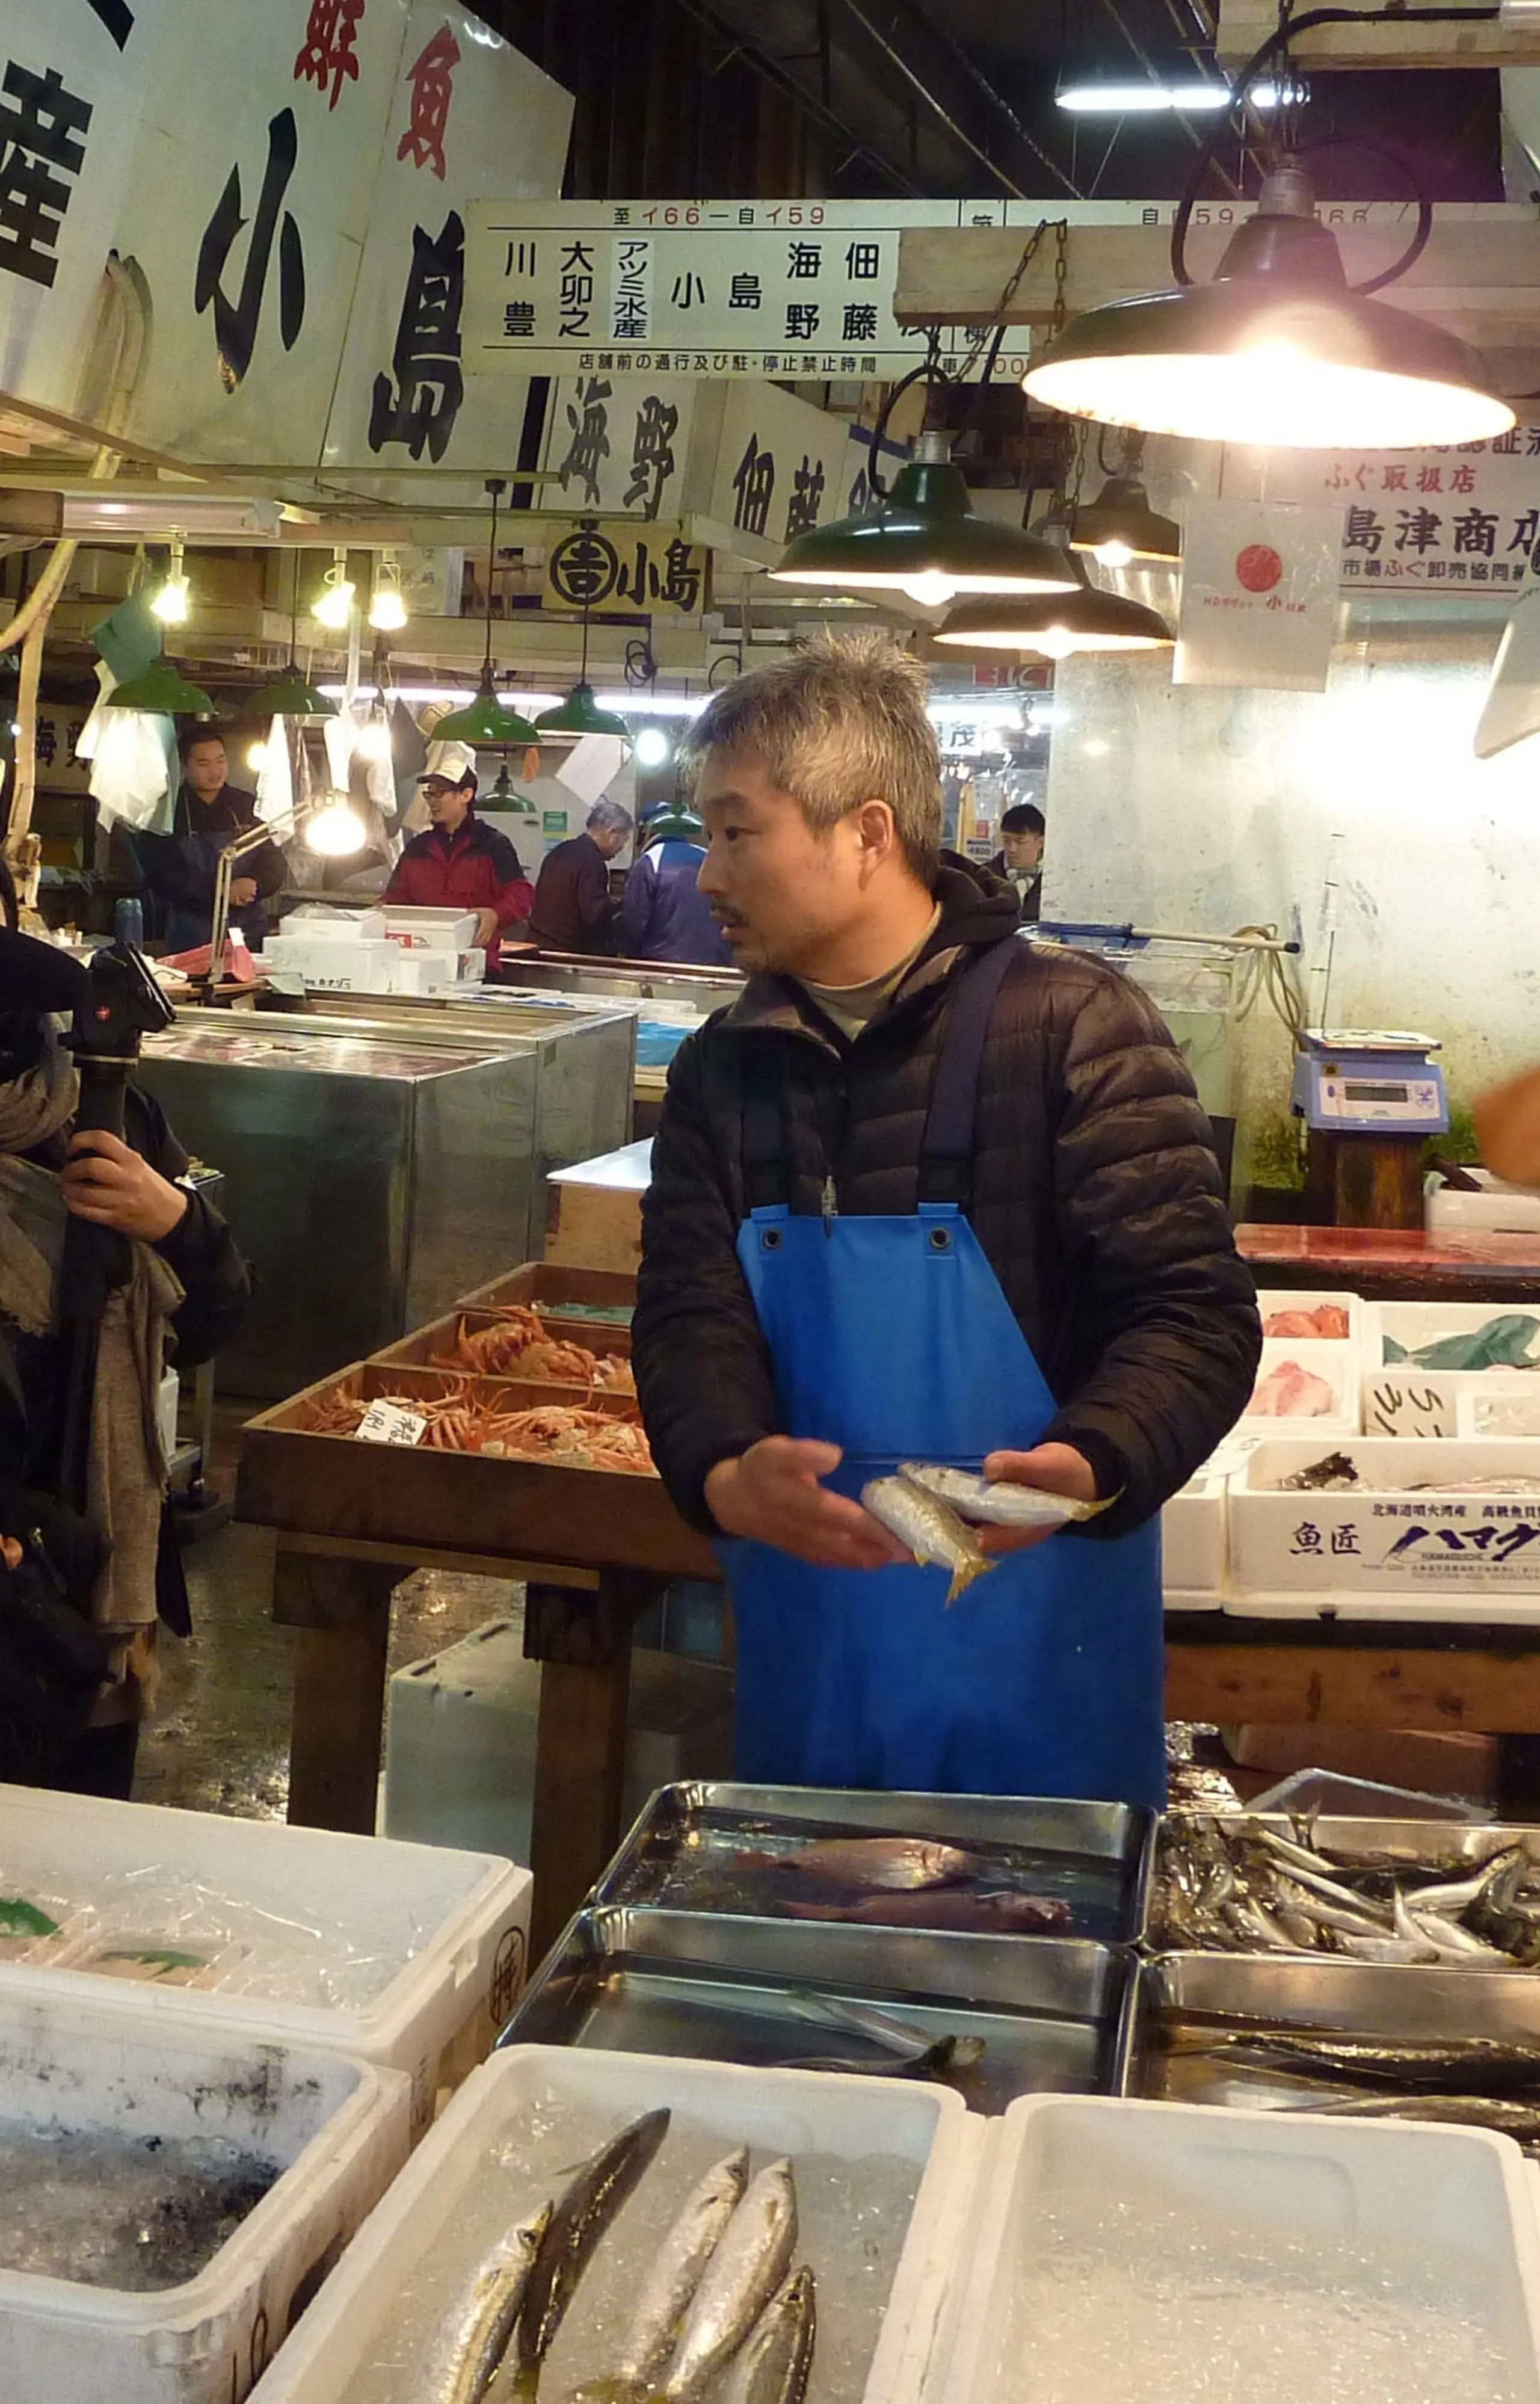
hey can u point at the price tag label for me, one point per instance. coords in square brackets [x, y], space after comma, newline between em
[391, 1423]
[1395, 1404]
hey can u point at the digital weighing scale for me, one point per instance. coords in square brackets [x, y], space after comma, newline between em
[1358, 1081]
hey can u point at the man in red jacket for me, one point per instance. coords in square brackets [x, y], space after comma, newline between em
[460, 864]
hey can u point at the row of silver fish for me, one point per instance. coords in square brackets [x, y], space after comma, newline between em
[720, 2290]
[1475, 2082]
[1245, 1886]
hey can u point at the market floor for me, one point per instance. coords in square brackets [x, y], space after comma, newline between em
[219, 1741]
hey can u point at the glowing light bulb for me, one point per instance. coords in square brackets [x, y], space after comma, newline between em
[334, 605]
[387, 608]
[171, 603]
[931, 590]
[1112, 555]
[652, 747]
[257, 757]
[374, 740]
[334, 832]
[1055, 642]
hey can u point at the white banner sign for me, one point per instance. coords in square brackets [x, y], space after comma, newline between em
[1421, 521]
[781, 466]
[1259, 596]
[620, 453]
[761, 288]
[303, 243]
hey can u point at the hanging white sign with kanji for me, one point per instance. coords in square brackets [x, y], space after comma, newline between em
[781, 466]
[1259, 596]
[1421, 521]
[623, 453]
[755, 288]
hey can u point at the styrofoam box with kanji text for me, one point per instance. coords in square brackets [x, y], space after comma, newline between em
[1381, 1537]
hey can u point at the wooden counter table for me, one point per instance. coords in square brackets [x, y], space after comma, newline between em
[1392, 1265]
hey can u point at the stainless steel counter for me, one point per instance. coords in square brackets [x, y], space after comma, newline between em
[370, 1177]
[637, 981]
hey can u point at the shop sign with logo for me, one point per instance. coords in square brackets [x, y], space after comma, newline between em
[1259, 596]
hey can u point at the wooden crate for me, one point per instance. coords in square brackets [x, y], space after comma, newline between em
[540, 1283]
[455, 1502]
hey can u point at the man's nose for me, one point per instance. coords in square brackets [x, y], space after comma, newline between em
[713, 869]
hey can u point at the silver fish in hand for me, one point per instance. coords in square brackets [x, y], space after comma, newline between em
[477, 2332]
[774, 2365]
[670, 2287]
[929, 1527]
[993, 1502]
[742, 2275]
[577, 2221]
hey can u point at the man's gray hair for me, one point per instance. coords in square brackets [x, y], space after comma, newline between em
[840, 722]
[609, 817]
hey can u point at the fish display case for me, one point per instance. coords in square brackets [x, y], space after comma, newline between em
[985, 2015]
[375, 1171]
[972, 1864]
[640, 980]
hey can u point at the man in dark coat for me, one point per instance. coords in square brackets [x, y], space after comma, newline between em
[663, 914]
[1100, 1256]
[573, 911]
[180, 867]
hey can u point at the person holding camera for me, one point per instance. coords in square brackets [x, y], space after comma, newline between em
[89, 1562]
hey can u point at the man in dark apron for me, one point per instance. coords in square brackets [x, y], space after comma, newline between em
[927, 1193]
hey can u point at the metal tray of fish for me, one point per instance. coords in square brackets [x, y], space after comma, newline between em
[966, 1863]
[981, 2013]
[1412, 1894]
[1349, 2039]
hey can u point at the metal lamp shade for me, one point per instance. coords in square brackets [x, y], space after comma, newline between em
[1053, 628]
[164, 690]
[927, 542]
[486, 724]
[581, 714]
[1276, 351]
[1120, 520]
[292, 696]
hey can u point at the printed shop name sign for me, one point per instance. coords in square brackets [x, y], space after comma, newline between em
[1466, 516]
[719, 288]
[1429, 1543]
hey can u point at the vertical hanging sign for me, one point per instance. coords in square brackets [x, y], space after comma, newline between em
[1259, 596]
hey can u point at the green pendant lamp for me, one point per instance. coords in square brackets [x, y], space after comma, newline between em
[164, 690]
[581, 714]
[1119, 527]
[504, 797]
[926, 540]
[485, 724]
[1053, 626]
[291, 694]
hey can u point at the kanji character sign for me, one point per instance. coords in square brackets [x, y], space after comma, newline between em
[328, 53]
[235, 322]
[41, 126]
[431, 76]
[420, 410]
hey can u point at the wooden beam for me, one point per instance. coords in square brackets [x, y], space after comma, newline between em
[1493, 1694]
[1479, 277]
[1244, 25]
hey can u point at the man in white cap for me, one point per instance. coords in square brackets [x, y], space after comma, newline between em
[459, 863]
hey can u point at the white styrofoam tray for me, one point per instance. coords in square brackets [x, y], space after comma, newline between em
[1501, 1404]
[1395, 2191]
[792, 2111]
[1194, 1540]
[1438, 1391]
[1496, 1209]
[435, 2011]
[1271, 1299]
[339, 2127]
[1340, 1366]
[1380, 1539]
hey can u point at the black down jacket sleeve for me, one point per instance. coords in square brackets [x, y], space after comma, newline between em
[202, 1252]
[702, 1365]
[1166, 1309]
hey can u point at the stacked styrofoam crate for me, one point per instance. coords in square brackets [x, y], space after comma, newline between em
[1402, 1544]
[798, 2114]
[1337, 1360]
[446, 1933]
[1403, 1397]
[107, 2069]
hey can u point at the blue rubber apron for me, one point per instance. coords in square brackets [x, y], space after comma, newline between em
[891, 1337]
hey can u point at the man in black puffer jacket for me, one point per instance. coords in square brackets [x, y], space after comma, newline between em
[923, 1192]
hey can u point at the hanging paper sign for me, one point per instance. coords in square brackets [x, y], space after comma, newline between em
[1399, 1406]
[1259, 596]
[625, 570]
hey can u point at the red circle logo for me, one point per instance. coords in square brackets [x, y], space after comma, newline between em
[1258, 567]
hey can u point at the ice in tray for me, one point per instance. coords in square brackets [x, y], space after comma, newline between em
[851, 2219]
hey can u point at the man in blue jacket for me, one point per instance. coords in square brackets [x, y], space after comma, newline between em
[663, 914]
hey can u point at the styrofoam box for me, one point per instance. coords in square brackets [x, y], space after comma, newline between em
[1496, 1210]
[792, 2111]
[1400, 2195]
[311, 924]
[1441, 1606]
[1401, 1396]
[1340, 1366]
[1380, 1539]
[339, 2127]
[1274, 1299]
[434, 2013]
[1498, 1404]
[434, 930]
[334, 968]
[1193, 1540]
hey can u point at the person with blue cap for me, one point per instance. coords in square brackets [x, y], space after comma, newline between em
[663, 914]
